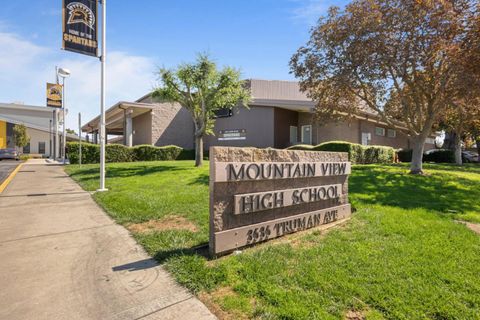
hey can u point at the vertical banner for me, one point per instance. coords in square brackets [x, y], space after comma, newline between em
[54, 95]
[80, 22]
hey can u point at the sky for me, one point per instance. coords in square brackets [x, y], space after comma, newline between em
[256, 36]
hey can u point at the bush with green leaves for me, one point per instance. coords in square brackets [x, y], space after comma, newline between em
[147, 152]
[121, 153]
[301, 147]
[118, 153]
[379, 154]
[439, 156]
[356, 153]
[90, 152]
[404, 155]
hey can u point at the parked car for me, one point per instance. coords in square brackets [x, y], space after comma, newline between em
[9, 154]
[469, 156]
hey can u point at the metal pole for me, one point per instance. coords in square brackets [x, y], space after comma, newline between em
[55, 141]
[64, 139]
[103, 59]
[79, 138]
[50, 136]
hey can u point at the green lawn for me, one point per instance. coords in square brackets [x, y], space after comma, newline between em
[401, 256]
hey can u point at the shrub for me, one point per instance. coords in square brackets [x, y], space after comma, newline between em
[440, 156]
[379, 154]
[90, 152]
[121, 153]
[118, 153]
[356, 152]
[150, 153]
[404, 155]
[189, 154]
[301, 147]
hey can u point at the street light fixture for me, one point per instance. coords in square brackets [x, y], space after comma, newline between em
[63, 73]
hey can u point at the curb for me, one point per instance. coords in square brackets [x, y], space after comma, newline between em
[10, 178]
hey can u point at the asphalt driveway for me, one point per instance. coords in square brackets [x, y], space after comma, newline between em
[6, 167]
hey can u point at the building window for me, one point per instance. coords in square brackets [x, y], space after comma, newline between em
[223, 113]
[391, 133]
[26, 149]
[293, 134]
[41, 147]
[307, 134]
[380, 131]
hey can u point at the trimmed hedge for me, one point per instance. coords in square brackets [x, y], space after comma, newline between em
[356, 152]
[437, 156]
[90, 152]
[147, 152]
[440, 156]
[405, 155]
[379, 154]
[117, 153]
[301, 147]
[121, 153]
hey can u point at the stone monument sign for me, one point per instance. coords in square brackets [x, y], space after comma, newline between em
[261, 194]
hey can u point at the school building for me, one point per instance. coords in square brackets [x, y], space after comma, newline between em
[279, 115]
[39, 122]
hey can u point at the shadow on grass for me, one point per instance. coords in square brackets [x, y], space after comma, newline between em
[163, 256]
[201, 179]
[92, 174]
[377, 185]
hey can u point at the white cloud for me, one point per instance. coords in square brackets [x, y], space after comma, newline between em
[25, 67]
[309, 11]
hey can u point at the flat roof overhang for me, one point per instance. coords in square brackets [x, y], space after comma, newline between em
[115, 117]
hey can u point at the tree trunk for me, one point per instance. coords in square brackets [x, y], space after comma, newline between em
[198, 151]
[477, 141]
[417, 155]
[458, 149]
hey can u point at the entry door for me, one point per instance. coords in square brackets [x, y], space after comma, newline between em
[366, 137]
[307, 134]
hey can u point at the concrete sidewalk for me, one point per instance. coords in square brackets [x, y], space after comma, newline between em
[62, 257]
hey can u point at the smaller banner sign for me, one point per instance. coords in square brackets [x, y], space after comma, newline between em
[54, 95]
[80, 23]
[232, 134]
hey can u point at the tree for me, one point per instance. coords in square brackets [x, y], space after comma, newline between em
[70, 131]
[20, 136]
[462, 113]
[202, 89]
[394, 57]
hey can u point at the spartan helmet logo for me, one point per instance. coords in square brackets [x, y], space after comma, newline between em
[54, 91]
[80, 13]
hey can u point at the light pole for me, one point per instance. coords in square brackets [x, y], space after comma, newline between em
[63, 73]
[103, 60]
[50, 136]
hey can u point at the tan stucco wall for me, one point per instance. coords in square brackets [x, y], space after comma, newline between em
[172, 124]
[142, 127]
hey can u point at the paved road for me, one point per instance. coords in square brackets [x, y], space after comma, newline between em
[61, 257]
[7, 166]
